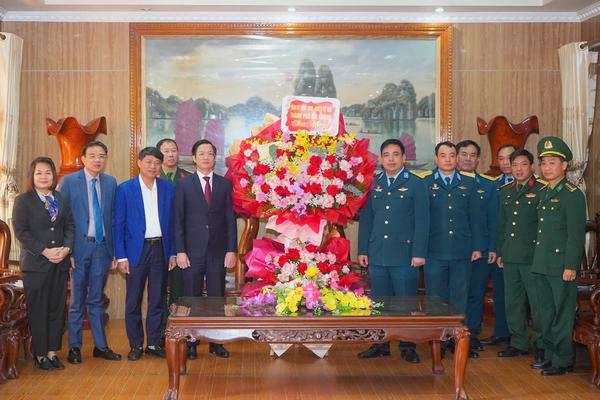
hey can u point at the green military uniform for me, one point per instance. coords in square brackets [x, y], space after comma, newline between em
[517, 230]
[559, 246]
[175, 280]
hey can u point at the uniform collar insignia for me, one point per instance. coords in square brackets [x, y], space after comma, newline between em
[405, 174]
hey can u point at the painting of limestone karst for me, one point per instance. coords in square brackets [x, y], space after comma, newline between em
[220, 88]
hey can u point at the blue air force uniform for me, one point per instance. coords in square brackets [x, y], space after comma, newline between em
[488, 190]
[393, 229]
[455, 231]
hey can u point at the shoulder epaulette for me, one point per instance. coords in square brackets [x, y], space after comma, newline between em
[540, 180]
[506, 184]
[489, 178]
[423, 174]
[469, 174]
[570, 187]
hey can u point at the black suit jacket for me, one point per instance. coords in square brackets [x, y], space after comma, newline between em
[198, 229]
[36, 232]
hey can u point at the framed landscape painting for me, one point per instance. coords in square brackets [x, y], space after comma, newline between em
[219, 81]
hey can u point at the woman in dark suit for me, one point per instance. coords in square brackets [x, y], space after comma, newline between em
[44, 225]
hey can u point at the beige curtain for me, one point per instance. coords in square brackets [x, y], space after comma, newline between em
[575, 89]
[11, 49]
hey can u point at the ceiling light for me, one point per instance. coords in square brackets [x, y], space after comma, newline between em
[439, 10]
[292, 9]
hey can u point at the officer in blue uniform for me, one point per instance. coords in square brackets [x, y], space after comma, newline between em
[392, 235]
[503, 156]
[455, 232]
[485, 268]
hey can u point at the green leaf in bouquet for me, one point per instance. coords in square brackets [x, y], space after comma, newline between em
[353, 189]
[273, 151]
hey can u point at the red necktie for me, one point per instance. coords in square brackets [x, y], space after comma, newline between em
[207, 191]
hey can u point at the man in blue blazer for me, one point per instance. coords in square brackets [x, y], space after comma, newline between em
[143, 249]
[91, 197]
[205, 230]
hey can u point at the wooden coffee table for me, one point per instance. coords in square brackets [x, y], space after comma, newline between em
[414, 319]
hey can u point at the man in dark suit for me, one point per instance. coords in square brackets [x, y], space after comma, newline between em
[205, 230]
[91, 195]
[143, 249]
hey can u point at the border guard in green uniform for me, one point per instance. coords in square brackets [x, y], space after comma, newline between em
[557, 257]
[517, 231]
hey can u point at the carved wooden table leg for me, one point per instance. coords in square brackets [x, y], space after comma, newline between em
[173, 364]
[595, 356]
[436, 358]
[182, 348]
[3, 356]
[12, 345]
[461, 355]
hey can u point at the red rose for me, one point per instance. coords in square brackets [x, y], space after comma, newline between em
[323, 267]
[265, 188]
[316, 161]
[348, 280]
[280, 173]
[335, 267]
[311, 247]
[331, 158]
[282, 191]
[333, 190]
[312, 170]
[302, 268]
[282, 260]
[342, 174]
[314, 188]
[261, 169]
[329, 174]
[293, 254]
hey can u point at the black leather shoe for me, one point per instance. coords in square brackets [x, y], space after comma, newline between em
[157, 351]
[552, 370]
[494, 340]
[475, 344]
[511, 351]
[135, 354]
[106, 353]
[56, 363]
[218, 350]
[43, 363]
[192, 351]
[375, 350]
[74, 356]
[540, 364]
[410, 355]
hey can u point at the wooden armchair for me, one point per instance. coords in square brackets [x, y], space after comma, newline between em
[587, 321]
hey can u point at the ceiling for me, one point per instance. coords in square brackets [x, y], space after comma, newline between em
[462, 10]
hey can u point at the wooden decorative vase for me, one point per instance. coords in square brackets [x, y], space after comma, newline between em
[72, 136]
[501, 131]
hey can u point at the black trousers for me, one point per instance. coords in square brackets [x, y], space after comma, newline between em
[210, 267]
[46, 298]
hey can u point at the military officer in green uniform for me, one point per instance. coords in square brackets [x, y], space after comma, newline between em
[456, 236]
[392, 238]
[557, 256]
[170, 171]
[517, 231]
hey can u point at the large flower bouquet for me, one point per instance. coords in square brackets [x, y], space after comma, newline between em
[300, 182]
[301, 178]
[303, 277]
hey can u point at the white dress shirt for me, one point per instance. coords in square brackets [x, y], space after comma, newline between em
[150, 198]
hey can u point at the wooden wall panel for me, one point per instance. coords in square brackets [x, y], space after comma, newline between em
[510, 70]
[82, 69]
[590, 30]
